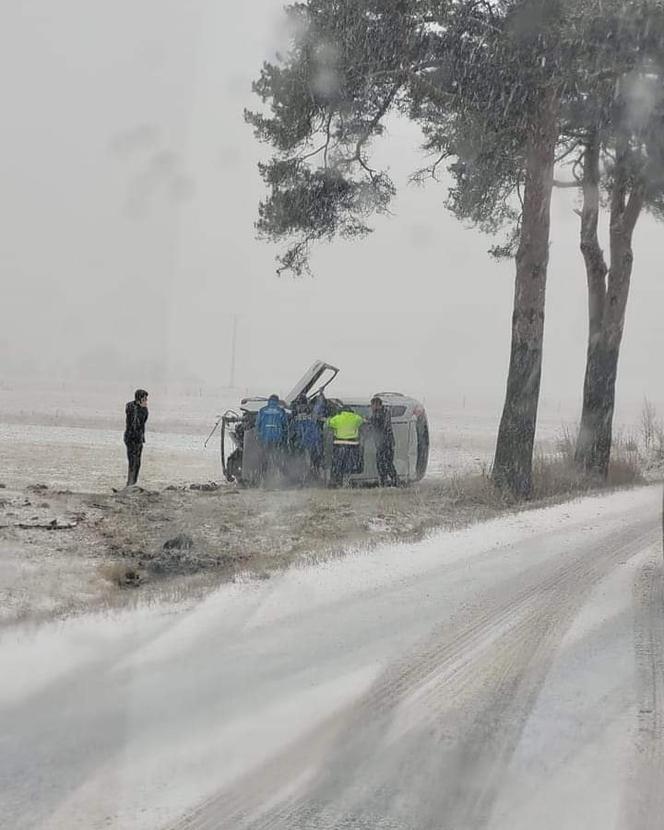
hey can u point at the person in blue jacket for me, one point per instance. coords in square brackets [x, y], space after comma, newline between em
[272, 433]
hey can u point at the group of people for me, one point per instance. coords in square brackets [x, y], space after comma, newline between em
[297, 438]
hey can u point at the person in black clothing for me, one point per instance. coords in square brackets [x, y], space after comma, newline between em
[381, 421]
[134, 435]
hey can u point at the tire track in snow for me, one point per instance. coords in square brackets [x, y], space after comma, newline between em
[522, 662]
[507, 680]
[644, 809]
[469, 689]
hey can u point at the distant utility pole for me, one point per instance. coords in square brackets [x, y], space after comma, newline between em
[233, 352]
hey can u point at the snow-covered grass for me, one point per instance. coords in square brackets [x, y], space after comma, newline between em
[652, 440]
[69, 445]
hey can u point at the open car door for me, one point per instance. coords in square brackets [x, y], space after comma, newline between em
[317, 378]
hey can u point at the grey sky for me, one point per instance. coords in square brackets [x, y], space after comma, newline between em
[129, 192]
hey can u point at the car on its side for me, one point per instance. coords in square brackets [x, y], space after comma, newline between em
[409, 422]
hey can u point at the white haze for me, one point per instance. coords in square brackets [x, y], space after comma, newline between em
[129, 192]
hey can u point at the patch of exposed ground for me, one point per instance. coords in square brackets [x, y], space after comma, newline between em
[63, 552]
[60, 552]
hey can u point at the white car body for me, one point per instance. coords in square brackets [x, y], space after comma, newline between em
[409, 423]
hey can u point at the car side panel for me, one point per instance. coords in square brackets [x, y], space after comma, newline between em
[251, 458]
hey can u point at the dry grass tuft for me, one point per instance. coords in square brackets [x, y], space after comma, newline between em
[476, 490]
[558, 475]
[122, 574]
[555, 476]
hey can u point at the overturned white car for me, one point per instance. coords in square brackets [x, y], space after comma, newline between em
[241, 453]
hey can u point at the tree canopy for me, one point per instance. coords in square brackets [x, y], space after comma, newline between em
[471, 73]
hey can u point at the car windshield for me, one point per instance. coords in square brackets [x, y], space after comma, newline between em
[221, 606]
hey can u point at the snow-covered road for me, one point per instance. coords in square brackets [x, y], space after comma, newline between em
[509, 676]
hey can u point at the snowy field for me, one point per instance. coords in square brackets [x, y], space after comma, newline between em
[70, 437]
[62, 456]
[68, 440]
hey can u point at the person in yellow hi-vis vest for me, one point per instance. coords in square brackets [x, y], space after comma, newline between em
[346, 451]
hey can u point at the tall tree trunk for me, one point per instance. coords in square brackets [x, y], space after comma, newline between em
[512, 468]
[607, 306]
[587, 450]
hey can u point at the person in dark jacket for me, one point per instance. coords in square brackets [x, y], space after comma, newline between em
[136, 413]
[381, 421]
[321, 409]
[306, 438]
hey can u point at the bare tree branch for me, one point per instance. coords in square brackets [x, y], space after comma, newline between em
[568, 152]
[430, 171]
[327, 139]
